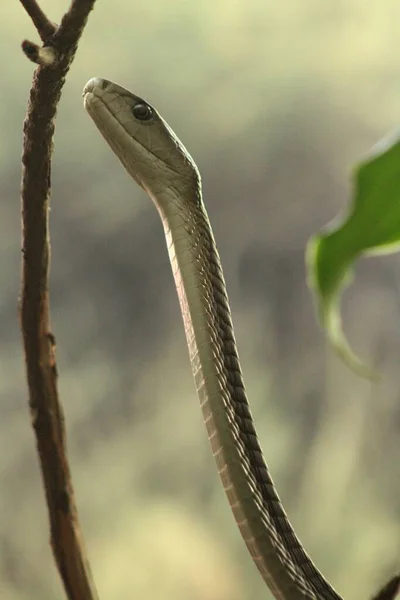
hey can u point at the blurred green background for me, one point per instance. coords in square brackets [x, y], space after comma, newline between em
[276, 101]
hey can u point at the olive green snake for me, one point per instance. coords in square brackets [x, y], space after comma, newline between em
[160, 164]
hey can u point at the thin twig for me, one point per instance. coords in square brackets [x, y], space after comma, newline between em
[39, 343]
[43, 25]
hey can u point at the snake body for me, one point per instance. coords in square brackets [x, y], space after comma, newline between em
[157, 160]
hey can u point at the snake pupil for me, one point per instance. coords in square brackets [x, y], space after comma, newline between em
[143, 112]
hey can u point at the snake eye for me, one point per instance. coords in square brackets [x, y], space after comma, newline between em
[142, 111]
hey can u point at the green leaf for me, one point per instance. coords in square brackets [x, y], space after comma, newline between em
[371, 227]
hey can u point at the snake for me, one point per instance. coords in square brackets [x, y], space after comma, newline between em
[160, 164]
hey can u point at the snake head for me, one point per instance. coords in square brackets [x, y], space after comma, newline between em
[145, 144]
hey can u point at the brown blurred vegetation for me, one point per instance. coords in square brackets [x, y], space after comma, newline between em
[276, 101]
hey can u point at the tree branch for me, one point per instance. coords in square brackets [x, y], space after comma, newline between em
[39, 343]
[44, 27]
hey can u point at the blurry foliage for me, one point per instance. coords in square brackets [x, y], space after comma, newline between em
[371, 227]
[275, 101]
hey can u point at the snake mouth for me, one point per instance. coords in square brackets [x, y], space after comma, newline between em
[99, 86]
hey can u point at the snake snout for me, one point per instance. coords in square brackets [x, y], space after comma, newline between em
[95, 83]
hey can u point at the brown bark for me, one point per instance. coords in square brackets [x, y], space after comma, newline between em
[39, 343]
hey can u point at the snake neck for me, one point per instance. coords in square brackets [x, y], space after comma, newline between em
[266, 530]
